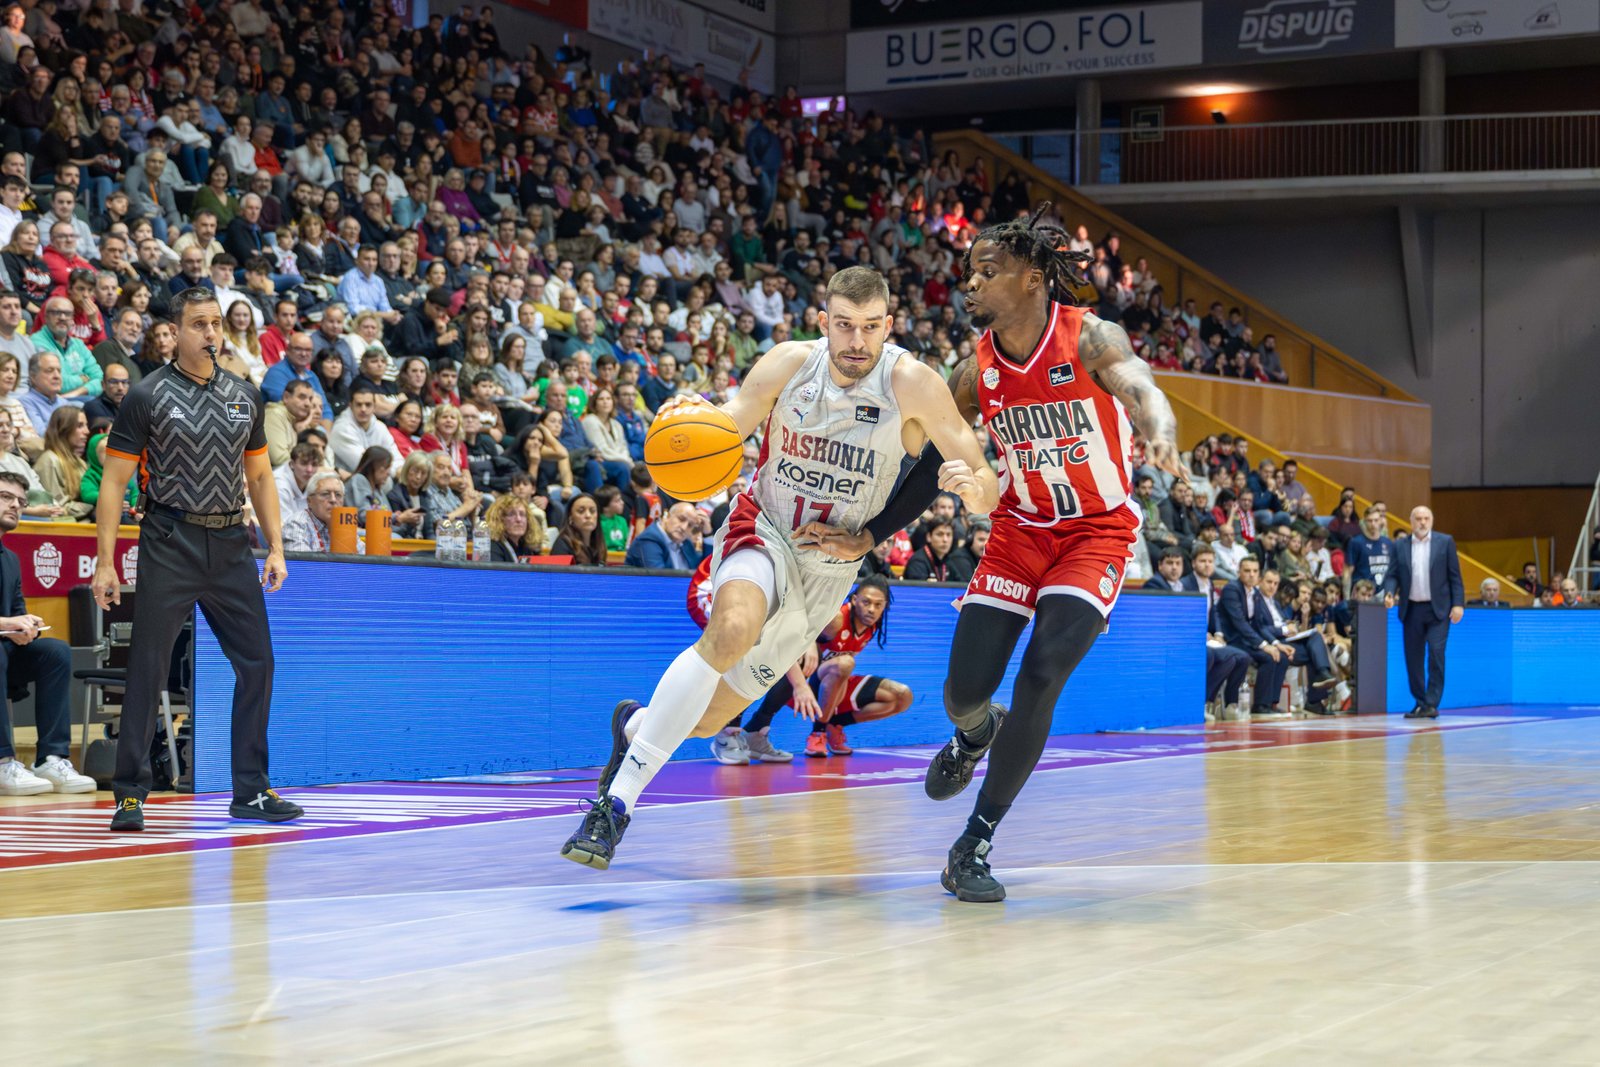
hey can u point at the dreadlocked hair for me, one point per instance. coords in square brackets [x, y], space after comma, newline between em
[880, 583]
[1042, 246]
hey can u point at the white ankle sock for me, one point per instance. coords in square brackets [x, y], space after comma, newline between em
[681, 697]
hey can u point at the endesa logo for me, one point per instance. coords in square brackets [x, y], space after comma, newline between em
[1296, 25]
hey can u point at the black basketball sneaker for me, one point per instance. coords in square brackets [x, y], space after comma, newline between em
[619, 742]
[596, 840]
[951, 770]
[966, 872]
[129, 817]
[265, 806]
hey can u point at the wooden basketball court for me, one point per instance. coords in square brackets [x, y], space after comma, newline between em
[1307, 893]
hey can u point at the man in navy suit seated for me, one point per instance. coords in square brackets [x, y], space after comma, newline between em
[677, 541]
[1488, 595]
[1243, 619]
[1226, 666]
[1425, 581]
[1310, 651]
[1169, 576]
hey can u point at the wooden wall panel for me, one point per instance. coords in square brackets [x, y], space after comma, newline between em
[1315, 423]
[1517, 512]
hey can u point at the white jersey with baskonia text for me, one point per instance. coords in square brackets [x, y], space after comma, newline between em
[832, 453]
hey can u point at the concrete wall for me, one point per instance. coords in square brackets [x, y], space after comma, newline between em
[1515, 320]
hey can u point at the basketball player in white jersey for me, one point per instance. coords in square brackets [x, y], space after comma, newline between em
[840, 415]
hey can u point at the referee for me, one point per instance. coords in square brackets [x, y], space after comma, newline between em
[196, 435]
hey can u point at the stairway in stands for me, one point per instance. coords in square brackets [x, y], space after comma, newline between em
[1386, 436]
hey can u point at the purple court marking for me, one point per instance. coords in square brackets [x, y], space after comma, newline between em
[74, 831]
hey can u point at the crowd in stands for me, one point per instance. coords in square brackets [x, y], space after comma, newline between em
[464, 280]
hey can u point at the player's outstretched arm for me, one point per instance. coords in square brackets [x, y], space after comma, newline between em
[925, 398]
[1105, 351]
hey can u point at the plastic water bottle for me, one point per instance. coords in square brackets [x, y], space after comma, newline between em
[480, 541]
[1246, 691]
[450, 541]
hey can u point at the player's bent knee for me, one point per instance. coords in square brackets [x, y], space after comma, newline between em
[901, 695]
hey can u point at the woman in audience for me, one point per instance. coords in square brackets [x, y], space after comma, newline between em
[445, 435]
[61, 465]
[407, 428]
[369, 486]
[1345, 524]
[329, 369]
[312, 248]
[607, 437]
[410, 518]
[40, 506]
[214, 196]
[367, 336]
[29, 275]
[27, 439]
[413, 381]
[515, 529]
[137, 295]
[241, 344]
[581, 537]
[508, 373]
[539, 450]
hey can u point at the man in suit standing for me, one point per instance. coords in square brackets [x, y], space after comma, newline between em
[1426, 582]
[1243, 619]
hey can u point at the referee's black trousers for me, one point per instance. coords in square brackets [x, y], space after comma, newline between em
[181, 565]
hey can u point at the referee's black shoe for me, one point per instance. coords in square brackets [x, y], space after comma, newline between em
[619, 742]
[951, 770]
[966, 872]
[129, 816]
[265, 806]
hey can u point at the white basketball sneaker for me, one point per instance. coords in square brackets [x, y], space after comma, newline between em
[761, 748]
[63, 778]
[17, 781]
[728, 747]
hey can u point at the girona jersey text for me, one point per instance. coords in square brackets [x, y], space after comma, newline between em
[1062, 440]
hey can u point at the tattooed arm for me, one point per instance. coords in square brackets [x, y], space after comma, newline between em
[1104, 349]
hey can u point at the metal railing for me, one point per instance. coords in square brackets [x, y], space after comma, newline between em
[1539, 141]
[1583, 570]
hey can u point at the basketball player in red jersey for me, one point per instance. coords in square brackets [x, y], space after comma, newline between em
[1060, 392]
[846, 698]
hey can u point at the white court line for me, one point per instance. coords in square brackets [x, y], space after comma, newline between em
[665, 883]
[1126, 762]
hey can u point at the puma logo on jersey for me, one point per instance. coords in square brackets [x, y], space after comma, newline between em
[1061, 374]
[1006, 587]
[995, 404]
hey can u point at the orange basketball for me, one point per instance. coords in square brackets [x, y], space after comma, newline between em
[694, 451]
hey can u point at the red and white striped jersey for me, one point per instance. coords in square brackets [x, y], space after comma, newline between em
[1062, 440]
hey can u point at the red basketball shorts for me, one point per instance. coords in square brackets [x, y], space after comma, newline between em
[1083, 557]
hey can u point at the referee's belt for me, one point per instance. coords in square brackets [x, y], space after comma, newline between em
[218, 521]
